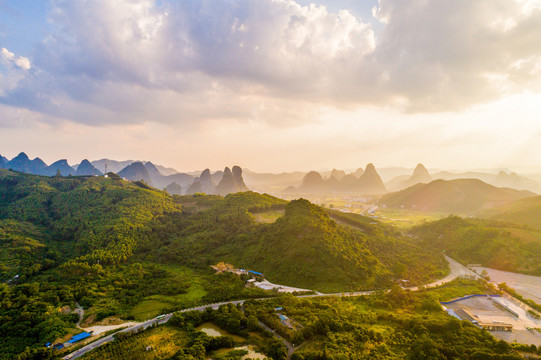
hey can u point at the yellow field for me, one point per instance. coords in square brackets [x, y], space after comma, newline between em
[269, 216]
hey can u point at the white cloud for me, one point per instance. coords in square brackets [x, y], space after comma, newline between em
[9, 58]
[13, 69]
[183, 62]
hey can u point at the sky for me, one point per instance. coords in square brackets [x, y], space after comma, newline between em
[273, 85]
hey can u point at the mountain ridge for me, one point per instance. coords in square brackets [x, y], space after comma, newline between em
[462, 195]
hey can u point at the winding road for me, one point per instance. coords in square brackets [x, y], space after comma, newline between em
[456, 268]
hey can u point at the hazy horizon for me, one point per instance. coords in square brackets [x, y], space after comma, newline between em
[433, 169]
[274, 86]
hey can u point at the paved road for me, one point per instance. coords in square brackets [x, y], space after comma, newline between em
[78, 353]
[457, 270]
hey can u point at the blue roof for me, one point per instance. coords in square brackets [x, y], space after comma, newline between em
[278, 308]
[283, 317]
[79, 337]
[453, 313]
[255, 272]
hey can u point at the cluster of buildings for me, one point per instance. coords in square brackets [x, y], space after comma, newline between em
[73, 340]
[484, 311]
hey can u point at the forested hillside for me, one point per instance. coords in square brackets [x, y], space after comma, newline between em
[113, 246]
[67, 239]
[460, 196]
[395, 325]
[525, 212]
[304, 248]
[497, 245]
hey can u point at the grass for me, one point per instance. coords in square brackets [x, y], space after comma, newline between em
[148, 309]
[155, 305]
[458, 288]
[406, 218]
[269, 216]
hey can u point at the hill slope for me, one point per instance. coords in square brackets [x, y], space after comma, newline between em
[525, 212]
[112, 245]
[70, 239]
[462, 195]
[304, 248]
[493, 244]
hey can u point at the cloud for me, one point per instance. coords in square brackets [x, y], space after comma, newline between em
[444, 56]
[9, 58]
[13, 70]
[274, 61]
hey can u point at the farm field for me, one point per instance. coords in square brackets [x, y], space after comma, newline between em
[157, 343]
[406, 218]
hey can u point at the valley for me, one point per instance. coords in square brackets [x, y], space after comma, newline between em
[134, 256]
[270, 180]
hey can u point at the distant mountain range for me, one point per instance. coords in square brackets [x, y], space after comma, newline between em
[455, 196]
[220, 182]
[22, 163]
[365, 181]
[501, 179]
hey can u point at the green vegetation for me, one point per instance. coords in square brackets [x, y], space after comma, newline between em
[83, 239]
[21, 244]
[405, 219]
[496, 245]
[303, 248]
[531, 303]
[524, 212]
[460, 196]
[123, 249]
[396, 325]
[180, 339]
[156, 343]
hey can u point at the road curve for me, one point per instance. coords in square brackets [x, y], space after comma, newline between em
[456, 268]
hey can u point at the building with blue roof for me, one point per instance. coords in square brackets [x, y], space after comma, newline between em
[79, 337]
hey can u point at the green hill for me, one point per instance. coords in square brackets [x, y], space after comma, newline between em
[115, 246]
[95, 218]
[70, 239]
[453, 196]
[304, 248]
[492, 244]
[525, 212]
